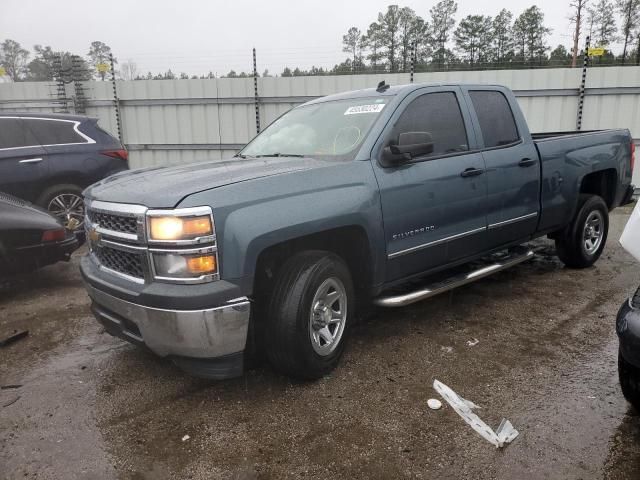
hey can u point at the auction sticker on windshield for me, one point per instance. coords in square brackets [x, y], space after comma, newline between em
[364, 109]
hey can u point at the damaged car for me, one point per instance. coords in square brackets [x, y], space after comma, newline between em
[31, 238]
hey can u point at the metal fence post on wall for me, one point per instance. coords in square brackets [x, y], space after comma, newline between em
[78, 76]
[583, 83]
[116, 102]
[61, 90]
[255, 91]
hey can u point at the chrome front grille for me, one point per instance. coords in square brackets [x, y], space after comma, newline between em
[116, 236]
[126, 263]
[115, 223]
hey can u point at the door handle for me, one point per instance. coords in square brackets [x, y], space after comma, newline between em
[472, 172]
[526, 162]
[31, 160]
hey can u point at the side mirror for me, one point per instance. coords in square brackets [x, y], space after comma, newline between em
[408, 146]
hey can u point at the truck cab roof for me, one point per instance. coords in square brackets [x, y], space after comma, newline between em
[394, 90]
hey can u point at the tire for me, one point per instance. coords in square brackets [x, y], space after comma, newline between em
[67, 194]
[299, 321]
[629, 376]
[581, 243]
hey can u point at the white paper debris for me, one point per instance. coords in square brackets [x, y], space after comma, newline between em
[473, 342]
[185, 438]
[505, 433]
[434, 403]
[470, 404]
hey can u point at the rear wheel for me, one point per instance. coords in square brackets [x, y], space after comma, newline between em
[66, 203]
[581, 243]
[629, 381]
[309, 315]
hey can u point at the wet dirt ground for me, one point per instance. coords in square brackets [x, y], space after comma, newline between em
[91, 406]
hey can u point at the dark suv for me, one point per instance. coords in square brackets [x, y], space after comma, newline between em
[48, 159]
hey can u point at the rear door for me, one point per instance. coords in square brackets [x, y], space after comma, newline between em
[23, 164]
[69, 150]
[434, 206]
[513, 168]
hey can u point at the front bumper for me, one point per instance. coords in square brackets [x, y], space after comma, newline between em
[628, 330]
[207, 342]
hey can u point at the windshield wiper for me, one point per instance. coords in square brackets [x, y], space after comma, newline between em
[277, 154]
[242, 155]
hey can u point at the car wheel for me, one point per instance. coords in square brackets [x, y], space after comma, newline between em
[581, 243]
[629, 381]
[309, 315]
[66, 203]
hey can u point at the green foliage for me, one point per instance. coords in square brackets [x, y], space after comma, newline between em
[473, 38]
[560, 56]
[352, 43]
[442, 22]
[99, 52]
[502, 36]
[14, 59]
[629, 11]
[602, 23]
[530, 36]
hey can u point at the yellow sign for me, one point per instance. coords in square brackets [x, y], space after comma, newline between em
[3, 72]
[596, 52]
[102, 67]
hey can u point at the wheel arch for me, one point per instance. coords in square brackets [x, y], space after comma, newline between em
[349, 242]
[602, 183]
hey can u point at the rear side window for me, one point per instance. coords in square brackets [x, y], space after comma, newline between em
[496, 118]
[53, 132]
[13, 134]
[439, 115]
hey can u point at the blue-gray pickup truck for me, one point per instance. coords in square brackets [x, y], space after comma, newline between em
[341, 202]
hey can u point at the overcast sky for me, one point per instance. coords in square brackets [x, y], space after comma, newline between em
[198, 36]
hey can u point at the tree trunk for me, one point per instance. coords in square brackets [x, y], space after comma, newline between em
[627, 31]
[576, 34]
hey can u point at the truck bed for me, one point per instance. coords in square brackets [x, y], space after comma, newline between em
[566, 158]
[548, 135]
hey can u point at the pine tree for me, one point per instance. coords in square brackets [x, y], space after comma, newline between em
[473, 37]
[442, 23]
[530, 35]
[630, 13]
[502, 36]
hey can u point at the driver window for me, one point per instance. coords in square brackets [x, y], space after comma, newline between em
[439, 115]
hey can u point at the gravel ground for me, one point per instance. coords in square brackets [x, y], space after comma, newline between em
[91, 406]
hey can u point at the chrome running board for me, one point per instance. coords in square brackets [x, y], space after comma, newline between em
[452, 282]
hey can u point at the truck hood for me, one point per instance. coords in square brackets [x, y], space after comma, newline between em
[165, 187]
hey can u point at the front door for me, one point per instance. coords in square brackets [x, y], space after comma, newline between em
[23, 164]
[434, 206]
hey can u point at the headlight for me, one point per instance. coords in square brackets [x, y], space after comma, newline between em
[185, 226]
[182, 245]
[174, 265]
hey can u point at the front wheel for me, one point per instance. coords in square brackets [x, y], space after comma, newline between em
[581, 243]
[309, 315]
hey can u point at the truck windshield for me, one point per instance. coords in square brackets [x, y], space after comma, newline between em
[333, 130]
